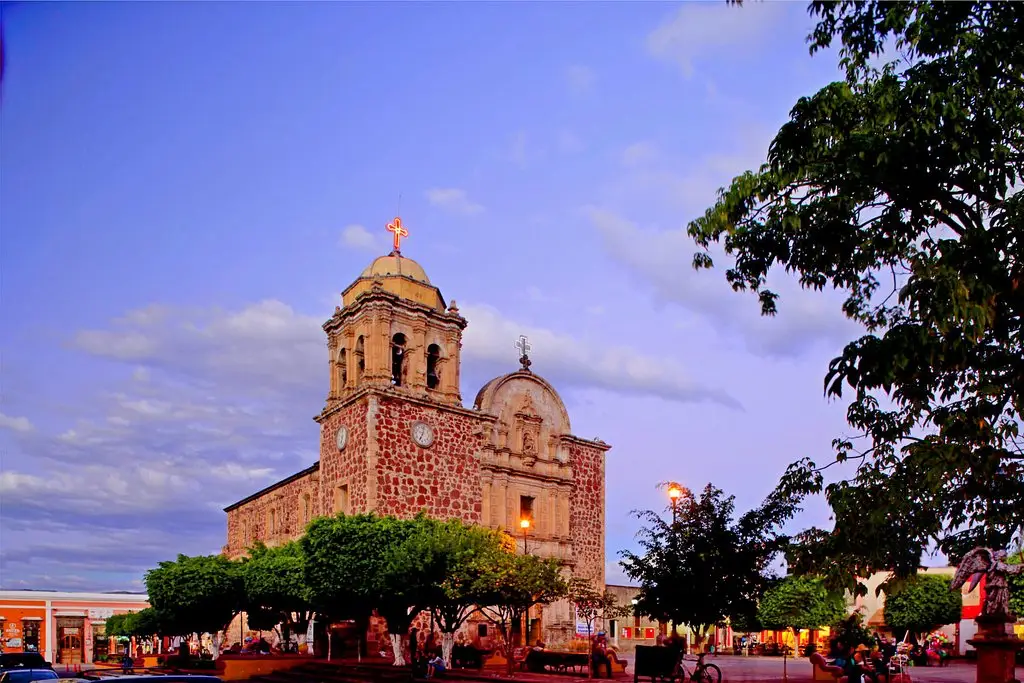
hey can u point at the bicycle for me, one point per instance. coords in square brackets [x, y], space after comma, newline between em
[702, 672]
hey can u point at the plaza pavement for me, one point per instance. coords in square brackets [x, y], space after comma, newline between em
[770, 669]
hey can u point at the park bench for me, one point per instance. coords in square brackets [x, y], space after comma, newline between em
[656, 663]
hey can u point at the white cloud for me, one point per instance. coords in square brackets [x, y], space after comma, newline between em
[704, 31]
[16, 424]
[567, 361]
[639, 153]
[663, 259]
[580, 79]
[453, 200]
[214, 405]
[358, 237]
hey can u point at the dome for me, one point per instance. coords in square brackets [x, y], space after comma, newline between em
[395, 264]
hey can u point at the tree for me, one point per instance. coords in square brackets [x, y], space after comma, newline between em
[444, 563]
[922, 604]
[1017, 586]
[119, 625]
[275, 591]
[147, 623]
[399, 594]
[592, 605]
[703, 567]
[200, 594]
[345, 557]
[896, 186]
[802, 603]
[512, 584]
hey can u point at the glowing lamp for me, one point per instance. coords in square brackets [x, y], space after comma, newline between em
[675, 493]
[524, 524]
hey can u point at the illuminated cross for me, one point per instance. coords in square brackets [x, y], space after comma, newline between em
[399, 231]
[523, 344]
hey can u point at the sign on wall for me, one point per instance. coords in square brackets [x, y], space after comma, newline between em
[100, 613]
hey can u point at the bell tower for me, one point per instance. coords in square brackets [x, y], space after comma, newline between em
[394, 332]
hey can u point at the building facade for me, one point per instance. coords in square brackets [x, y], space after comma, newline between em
[395, 438]
[66, 628]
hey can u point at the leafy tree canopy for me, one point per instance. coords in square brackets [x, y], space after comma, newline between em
[274, 584]
[119, 626]
[443, 562]
[345, 558]
[1017, 585]
[704, 567]
[897, 186]
[922, 604]
[198, 594]
[801, 603]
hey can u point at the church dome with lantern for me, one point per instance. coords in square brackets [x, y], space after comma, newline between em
[396, 274]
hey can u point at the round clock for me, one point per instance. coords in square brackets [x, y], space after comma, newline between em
[422, 434]
[342, 439]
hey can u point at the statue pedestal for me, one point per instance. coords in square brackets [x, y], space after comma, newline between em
[997, 647]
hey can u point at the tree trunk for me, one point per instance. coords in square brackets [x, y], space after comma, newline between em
[447, 643]
[330, 642]
[396, 648]
[506, 633]
[216, 645]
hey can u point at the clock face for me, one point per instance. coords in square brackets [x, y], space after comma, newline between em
[422, 434]
[342, 437]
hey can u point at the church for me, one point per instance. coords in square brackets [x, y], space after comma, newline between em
[396, 439]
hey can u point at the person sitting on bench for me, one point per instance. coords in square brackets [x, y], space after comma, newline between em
[435, 665]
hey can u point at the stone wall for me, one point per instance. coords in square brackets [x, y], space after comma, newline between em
[442, 480]
[276, 515]
[346, 467]
[586, 509]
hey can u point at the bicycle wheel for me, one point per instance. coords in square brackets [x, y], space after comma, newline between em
[709, 674]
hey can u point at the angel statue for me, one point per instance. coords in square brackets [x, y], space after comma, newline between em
[991, 564]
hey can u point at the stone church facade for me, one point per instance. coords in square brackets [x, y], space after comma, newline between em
[395, 438]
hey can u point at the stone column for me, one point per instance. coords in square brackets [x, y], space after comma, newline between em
[997, 647]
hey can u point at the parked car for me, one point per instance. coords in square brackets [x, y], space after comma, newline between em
[21, 675]
[23, 660]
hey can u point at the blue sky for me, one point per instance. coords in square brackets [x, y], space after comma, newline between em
[187, 187]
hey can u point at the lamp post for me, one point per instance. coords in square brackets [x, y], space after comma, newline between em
[675, 492]
[524, 524]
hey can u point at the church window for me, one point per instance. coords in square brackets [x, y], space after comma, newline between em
[359, 356]
[526, 507]
[481, 630]
[397, 358]
[272, 522]
[341, 499]
[342, 369]
[433, 355]
[307, 510]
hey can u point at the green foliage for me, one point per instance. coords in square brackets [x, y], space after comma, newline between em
[442, 563]
[896, 186]
[119, 626]
[852, 631]
[511, 584]
[922, 604]
[345, 559]
[274, 587]
[1016, 582]
[704, 566]
[801, 603]
[198, 594]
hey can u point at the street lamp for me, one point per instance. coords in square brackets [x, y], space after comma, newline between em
[524, 524]
[675, 492]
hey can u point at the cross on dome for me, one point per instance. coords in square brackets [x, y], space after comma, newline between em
[399, 231]
[523, 346]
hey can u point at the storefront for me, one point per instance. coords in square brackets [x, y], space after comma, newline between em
[66, 628]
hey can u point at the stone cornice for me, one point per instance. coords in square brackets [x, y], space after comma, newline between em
[399, 395]
[525, 474]
[383, 301]
[600, 445]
